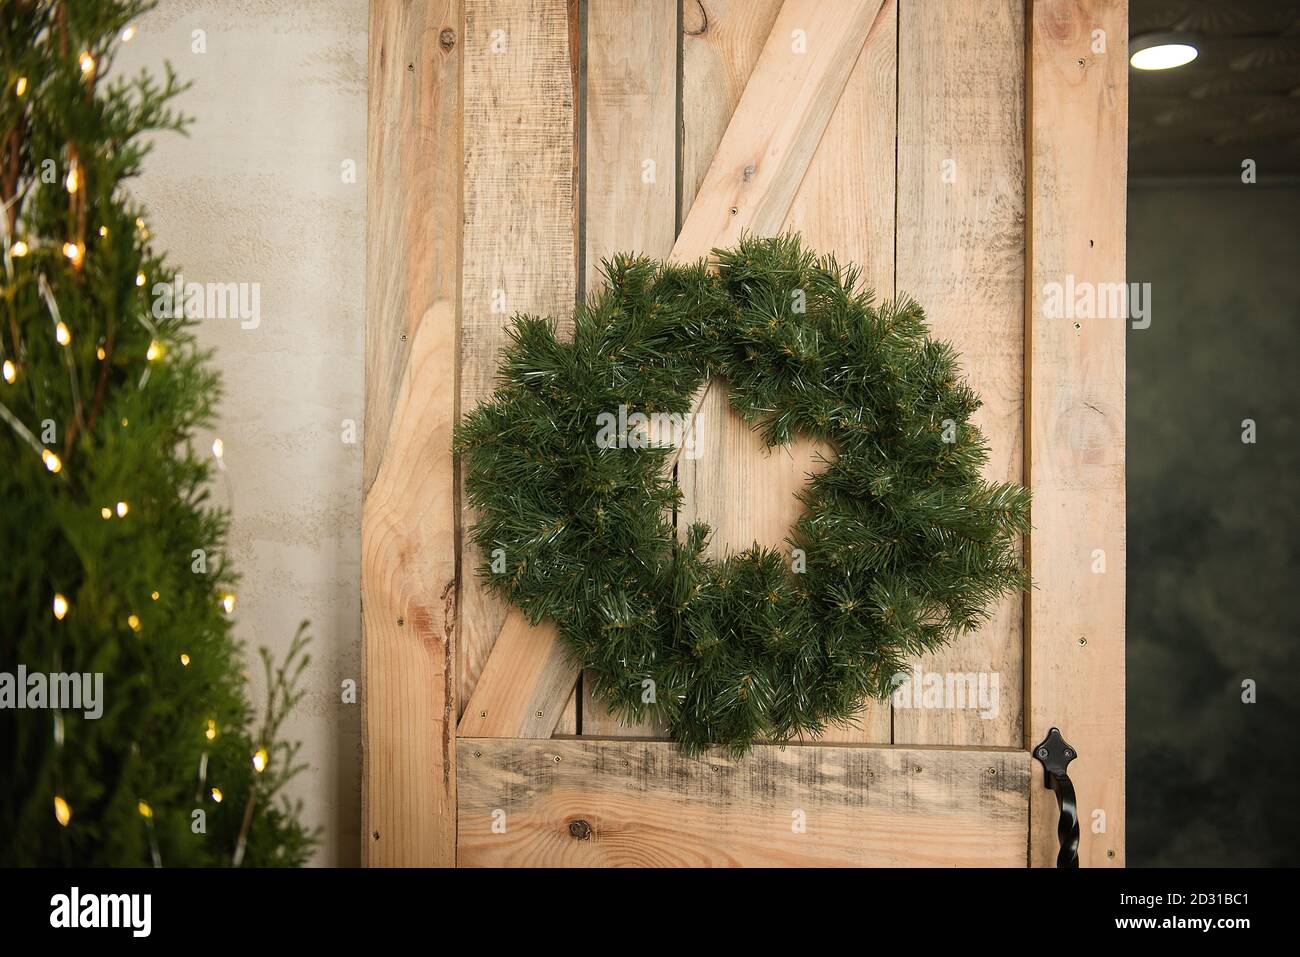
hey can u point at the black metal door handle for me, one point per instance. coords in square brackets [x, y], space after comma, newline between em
[1055, 756]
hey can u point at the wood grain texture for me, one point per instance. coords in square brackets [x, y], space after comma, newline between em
[1075, 418]
[762, 150]
[721, 43]
[408, 530]
[583, 802]
[519, 251]
[630, 168]
[961, 238]
[780, 119]
[844, 206]
[521, 693]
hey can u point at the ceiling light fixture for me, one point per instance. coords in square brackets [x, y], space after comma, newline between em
[1161, 51]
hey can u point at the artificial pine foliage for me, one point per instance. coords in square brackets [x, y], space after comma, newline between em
[112, 556]
[904, 544]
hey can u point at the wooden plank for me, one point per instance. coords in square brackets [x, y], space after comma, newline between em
[844, 206]
[408, 529]
[721, 44]
[1075, 416]
[583, 802]
[763, 149]
[519, 229]
[630, 166]
[787, 104]
[961, 239]
[535, 692]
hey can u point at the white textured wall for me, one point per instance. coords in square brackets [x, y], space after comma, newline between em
[256, 194]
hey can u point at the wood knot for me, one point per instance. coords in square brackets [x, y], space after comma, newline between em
[447, 38]
[580, 829]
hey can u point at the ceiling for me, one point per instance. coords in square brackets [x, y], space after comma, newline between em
[1239, 99]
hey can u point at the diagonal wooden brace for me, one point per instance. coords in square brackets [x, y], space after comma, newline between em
[749, 187]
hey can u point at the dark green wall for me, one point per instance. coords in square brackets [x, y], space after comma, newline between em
[1213, 527]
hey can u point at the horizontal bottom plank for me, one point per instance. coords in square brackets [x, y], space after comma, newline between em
[590, 802]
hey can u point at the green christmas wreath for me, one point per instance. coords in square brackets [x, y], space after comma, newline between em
[901, 546]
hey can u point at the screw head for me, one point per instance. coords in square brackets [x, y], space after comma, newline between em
[1042, 753]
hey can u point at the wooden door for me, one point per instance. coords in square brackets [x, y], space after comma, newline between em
[968, 154]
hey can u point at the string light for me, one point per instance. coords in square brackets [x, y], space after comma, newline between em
[211, 732]
[185, 659]
[153, 595]
[75, 252]
[154, 351]
[217, 795]
[218, 448]
[259, 760]
[145, 810]
[139, 279]
[106, 512]
[18, 249]
[228, 603]
[52, 461]
[87, 63]
[122, 509]
[20, 87]
[100, 354]
[103, 230]
[73, 181]
[128, 34]
[133, 622]
[60, 607]
[62, 335]
[10, 371]
[62, 812]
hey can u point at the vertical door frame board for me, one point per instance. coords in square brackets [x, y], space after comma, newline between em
[1076, 164]
[408, 526]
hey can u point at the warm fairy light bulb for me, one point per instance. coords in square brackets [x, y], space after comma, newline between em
[228, 603]
[62, 813]
[122, 509]
[52, 461]
[18, 249]
[211, 732]
[133, 622]
[62, 334]
[144, 809]
[60, 607]
[128, 34]
[185, 659]
[73, 181]
[103, 230]
[74, 251]
[100, 354]
[218, 448]
[259, 760]
[10, 371]
[217, 795]
[106, 513]
[154, 351]
[87, 63]
[153, 595]
[20, 87]
[139, 279]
